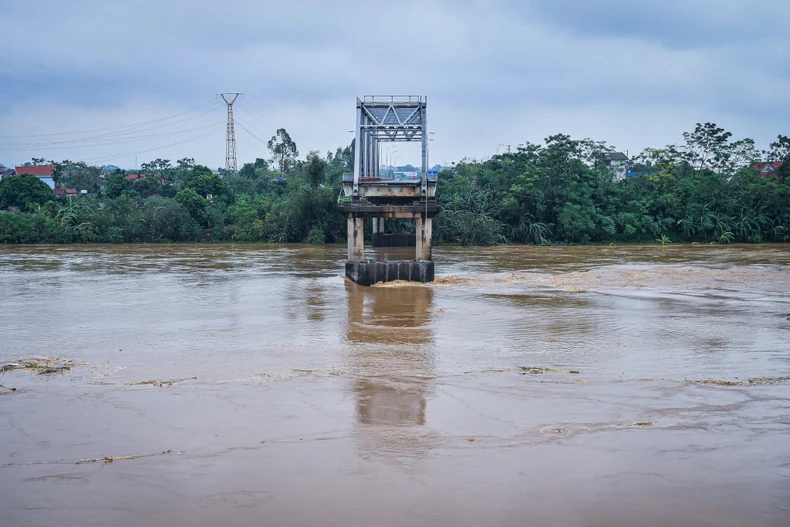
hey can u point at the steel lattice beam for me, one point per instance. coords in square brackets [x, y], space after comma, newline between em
[388, 119]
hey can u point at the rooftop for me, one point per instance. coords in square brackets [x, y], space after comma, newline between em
[40, 170]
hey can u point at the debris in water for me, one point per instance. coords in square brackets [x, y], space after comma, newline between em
[750, 382]
[491, 371]
[110, 459]
[161, 383]
[719, 383]
[644, 424]
[7, 387]
[538, 370]
[41, 365]
[767, 380]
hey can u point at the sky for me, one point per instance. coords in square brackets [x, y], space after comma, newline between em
[125, 82]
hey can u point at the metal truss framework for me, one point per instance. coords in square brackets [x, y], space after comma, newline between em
[388, 119]
[230, 133]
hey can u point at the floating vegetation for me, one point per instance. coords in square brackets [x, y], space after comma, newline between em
[757, 381]
[644, 424]
[767, 380]
[110, 459]
[716, 382]
[503, 370]
[41, 365]
[161, 383]
[539, 370]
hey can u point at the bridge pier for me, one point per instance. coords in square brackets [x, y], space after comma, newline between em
[356, 238]
[424, 237]
[369, 195]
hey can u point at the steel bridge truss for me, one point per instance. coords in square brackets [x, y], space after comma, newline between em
[388, 119]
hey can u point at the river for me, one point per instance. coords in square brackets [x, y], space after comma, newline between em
[237, 385]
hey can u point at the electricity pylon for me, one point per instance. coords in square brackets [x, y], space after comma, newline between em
[230, 136]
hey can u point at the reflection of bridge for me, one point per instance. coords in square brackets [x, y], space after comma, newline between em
[368, 195]
[389, 329]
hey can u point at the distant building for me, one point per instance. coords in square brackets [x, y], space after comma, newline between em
[768, 168]
[5, 172]
[45, 173]
[66, 192]
[617, 163]
[138, 177]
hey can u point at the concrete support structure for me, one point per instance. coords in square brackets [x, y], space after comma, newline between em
[424, 237]
[367, 195]
[356, 238]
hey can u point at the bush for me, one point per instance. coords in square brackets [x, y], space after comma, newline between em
[316, 236]
[24, 191]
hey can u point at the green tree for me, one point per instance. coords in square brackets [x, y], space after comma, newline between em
[23, 191]
[283, 149]
[116, 185]
[314, 170]
[209, 184]
[194, 203]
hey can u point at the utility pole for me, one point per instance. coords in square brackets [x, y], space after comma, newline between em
[230, 136]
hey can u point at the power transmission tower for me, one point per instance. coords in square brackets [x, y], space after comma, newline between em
[230, 136]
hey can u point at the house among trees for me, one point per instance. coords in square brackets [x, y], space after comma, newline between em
[66, 192]
[5, 172]
[767, 168]
[617, 163]
[138, 177]
[45, 173]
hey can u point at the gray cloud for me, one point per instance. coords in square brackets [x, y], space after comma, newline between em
[633, 73]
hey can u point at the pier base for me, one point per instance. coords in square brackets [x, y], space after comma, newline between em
[369, 273]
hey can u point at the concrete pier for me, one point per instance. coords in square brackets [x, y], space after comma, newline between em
[356, 238]
[369, 195]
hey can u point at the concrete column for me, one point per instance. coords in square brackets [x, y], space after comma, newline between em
[356, 243]
[418, 232]
[375, 226]
[424, 238]
[381, 225]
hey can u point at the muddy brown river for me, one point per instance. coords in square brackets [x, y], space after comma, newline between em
[242, 385]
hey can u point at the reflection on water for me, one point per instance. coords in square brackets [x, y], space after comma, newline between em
[394, 380]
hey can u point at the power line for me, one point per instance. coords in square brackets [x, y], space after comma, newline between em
[249, 132]
[110, 158]
[248, 103]
[135, 125]
[118, 134]
[121, 140]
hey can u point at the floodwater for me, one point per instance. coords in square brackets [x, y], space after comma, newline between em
[254, 385]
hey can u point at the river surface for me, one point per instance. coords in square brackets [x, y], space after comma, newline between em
[254, 385]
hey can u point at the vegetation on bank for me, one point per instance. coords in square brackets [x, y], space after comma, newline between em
[558, 192]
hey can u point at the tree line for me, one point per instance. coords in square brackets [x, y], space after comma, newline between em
[558, 192]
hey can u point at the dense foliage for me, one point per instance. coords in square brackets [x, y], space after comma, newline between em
[23, 191]
[702, 191]
[557, 192]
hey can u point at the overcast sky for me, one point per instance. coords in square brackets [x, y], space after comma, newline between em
[633, 73]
